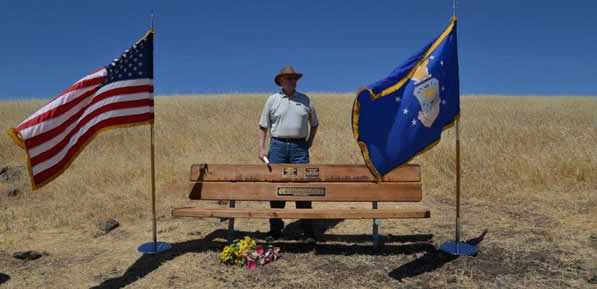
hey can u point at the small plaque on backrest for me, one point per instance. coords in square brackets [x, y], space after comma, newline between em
[290, 172]
[312, 172]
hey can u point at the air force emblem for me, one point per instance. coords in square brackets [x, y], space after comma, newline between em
[427, 92]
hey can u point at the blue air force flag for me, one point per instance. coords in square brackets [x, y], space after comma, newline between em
[404, 114]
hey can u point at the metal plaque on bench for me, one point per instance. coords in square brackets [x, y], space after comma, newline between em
[301, 191]
[312, 172]
[290, 172]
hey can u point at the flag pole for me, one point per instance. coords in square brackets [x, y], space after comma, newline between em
[457, 248]
[154, 247]
[155, 236]
[457, 237]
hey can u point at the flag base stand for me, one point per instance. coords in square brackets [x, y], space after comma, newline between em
[458, 248]
[154, 247]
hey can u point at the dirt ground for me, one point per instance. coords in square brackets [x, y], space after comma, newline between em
[520, 246]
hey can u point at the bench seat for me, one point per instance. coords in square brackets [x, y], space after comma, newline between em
[301, 213]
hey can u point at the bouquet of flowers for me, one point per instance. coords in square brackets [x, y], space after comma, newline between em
[247, 252]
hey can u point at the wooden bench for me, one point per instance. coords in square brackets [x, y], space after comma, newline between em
[303, 182]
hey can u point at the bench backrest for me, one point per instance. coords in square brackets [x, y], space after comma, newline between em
[303, 182]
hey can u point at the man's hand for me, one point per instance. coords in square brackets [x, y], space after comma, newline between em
[311, 137]
[261, 133]
[261, 153]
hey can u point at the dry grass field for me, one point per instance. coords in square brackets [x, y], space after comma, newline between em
[529, 203]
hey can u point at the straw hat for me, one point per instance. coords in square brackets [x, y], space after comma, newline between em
[286, 70]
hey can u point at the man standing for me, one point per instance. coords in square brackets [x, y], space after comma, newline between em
[288, 114]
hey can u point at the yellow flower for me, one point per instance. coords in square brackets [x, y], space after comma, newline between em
[232, 254]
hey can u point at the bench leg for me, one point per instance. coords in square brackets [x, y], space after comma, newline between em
[376, 223]
[231, 225]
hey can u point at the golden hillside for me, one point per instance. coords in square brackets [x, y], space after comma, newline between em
[529, 177]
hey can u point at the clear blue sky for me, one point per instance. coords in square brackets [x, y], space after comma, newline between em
[505, 47]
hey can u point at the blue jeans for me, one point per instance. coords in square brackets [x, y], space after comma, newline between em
[289, 152]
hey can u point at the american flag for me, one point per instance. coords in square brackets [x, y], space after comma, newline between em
[119, 94]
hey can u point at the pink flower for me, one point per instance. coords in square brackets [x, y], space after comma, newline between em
[267, 260]
[251, 264]
[259, 250]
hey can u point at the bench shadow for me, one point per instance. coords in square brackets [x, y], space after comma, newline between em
[320, 226]
[4, 278]
[216, 240]
[148, 263]
[432, 260]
